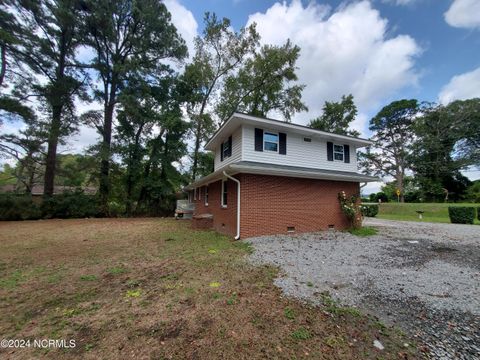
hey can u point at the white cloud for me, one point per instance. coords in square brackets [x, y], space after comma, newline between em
[461, 87]
[372, 187]
[464, 14]
[184, 21]
[400, 2]
[342, 52]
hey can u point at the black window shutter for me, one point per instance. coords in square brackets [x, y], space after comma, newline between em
[230, 146]
[258, 139]
[221, 152]
[346, 151]
[282, 149]
[329, 151]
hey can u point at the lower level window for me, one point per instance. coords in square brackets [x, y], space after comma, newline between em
[224, 193]
[206, 195]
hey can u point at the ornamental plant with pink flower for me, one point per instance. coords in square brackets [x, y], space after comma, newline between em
[351, 208]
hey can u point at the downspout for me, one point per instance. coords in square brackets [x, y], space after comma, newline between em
[238, 202]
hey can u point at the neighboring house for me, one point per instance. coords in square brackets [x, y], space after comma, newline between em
[37, 190]
[273, 177]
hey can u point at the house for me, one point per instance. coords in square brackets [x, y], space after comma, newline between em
[37, 190]
[273, 177]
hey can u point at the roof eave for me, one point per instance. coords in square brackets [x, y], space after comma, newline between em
[303, 174]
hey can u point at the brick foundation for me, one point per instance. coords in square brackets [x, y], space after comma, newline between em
[272, 204]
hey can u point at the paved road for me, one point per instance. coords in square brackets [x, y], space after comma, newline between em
[422, 277]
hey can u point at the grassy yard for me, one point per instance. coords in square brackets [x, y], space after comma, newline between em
[155, 289]
[433, 212]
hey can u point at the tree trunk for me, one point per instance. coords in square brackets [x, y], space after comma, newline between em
[3, 57]
[400, 186]
[56, 99]
[196, 150]
[50, 168]
[105, 158]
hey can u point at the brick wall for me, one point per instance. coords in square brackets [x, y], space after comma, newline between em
[270, 204]
[224, 219]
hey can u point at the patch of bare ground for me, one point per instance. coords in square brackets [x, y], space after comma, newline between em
[155, 289]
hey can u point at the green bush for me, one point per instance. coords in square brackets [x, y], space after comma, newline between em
[69, 205]
[461, 214]
[18, 207]
[369, 210]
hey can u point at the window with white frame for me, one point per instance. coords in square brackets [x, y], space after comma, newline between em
[338, 152]
[195, 194]
[224, 193]
[206, 195]
[270, 141]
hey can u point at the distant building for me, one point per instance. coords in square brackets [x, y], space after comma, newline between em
[37, 190]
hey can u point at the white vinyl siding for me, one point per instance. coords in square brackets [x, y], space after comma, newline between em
[236, 150]
[299, 152]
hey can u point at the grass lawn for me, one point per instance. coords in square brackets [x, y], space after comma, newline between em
[155, 289]
[433, 212]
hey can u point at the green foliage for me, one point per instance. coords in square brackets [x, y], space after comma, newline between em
[363, 231]
[461, 215]
[392, 136]
[263, 84]
[69, 205]
[349, 205]
[18, 207]
[76, 170]
[473, 192]
[301, 334]
[369, 210]
[289, 313]
[219, 52]
[131, 40]
[337, 117]
[439, 154]
[89, 278]
[374, 197]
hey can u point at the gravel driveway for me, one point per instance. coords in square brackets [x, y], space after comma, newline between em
[421, 277]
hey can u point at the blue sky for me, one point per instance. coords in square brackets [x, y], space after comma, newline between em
[446, 50]
[379, 50]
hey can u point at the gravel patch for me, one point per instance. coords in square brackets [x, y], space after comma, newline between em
[422, 277]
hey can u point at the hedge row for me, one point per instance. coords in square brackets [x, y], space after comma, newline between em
[462, 214]
[69, 205]
[369, 210]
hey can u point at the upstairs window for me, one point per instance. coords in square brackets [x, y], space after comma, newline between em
[270, 141]
[338, 152]
[226, 149]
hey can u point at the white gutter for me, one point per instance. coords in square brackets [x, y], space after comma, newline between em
[238, 202]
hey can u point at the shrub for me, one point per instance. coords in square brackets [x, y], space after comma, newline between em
[18, 207]
[369, 210]
[461, 214]
[69, 205]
